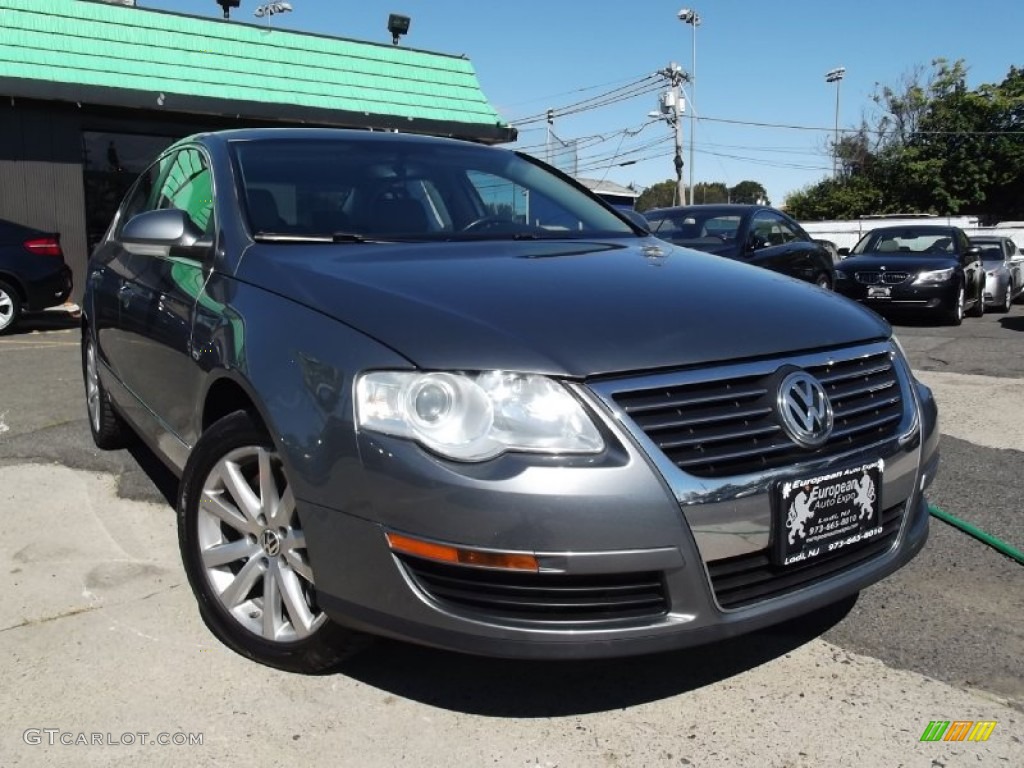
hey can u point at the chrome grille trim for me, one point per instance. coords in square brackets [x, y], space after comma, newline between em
[741, 436]
[876, 278]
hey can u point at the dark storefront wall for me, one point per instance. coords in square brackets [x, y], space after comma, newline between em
[41, 177]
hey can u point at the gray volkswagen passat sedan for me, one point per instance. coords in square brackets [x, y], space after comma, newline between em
[438, 391]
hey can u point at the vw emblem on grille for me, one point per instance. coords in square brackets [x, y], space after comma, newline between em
[805, 410]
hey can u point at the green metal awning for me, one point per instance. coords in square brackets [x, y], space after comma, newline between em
[96, 53]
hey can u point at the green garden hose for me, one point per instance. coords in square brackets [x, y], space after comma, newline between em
[987, 538]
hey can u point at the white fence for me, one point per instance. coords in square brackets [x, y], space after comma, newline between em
[845, 234]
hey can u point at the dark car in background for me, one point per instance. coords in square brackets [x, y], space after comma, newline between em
[33, 274]
[754, 234]
[1004, 271]
[401, 405]
[926, 269]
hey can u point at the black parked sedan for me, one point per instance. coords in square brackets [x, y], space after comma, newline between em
[33, 275]
[754, 234]
[926, 269]
[436, 391]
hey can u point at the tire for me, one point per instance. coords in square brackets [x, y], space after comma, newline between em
[1007, 302]
[237, 545]
[106, 426]
[955, 313]
[822, 281]
[978, 310]
[10, 307]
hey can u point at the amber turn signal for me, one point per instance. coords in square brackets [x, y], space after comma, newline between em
[447, 554]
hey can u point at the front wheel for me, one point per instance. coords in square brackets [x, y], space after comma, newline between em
[1007, 302]
[244, 551]
[955, 313]
[105, 424]
[978, 310]
[822, 281]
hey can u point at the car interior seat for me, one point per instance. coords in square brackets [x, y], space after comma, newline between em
[888, 246]
[263, 212]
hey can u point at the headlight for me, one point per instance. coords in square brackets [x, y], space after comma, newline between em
[935, 276]
[473, 417]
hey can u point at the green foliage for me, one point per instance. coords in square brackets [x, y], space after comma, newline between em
[710, 192]
[750, 192]
[938, 147]
[660, 195]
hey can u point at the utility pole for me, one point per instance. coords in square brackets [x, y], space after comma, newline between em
[691, 17]
[836, 76]
[673, 113]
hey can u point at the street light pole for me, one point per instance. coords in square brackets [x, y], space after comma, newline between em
[835, 76]
[690, 16]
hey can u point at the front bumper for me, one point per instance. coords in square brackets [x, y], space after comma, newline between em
[905, 296]
[614, 525]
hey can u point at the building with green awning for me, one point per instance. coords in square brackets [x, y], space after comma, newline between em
[90, 92]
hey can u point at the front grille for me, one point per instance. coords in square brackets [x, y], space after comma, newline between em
[726, 425]
[751, 578]
[541, 597]
[879, 278]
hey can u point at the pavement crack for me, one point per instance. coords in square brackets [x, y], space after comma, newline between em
[47, 619]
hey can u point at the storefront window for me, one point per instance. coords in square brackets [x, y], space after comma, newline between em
[112, 162]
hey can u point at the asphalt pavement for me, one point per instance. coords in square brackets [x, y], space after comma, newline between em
[100, 639]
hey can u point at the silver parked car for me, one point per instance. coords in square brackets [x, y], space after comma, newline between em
[436, 391]
[1004, 271]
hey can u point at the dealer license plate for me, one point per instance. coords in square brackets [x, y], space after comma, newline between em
[819, 515]
[879, 292]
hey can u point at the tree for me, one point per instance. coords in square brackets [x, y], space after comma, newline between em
[710, 192]
[749, 192]
[660, 195]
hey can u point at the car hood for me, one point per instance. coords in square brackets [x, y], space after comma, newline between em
[562, 307]
[891, 261]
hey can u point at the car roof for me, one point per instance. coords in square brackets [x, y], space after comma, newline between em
[920, 228]
[222, 138]
[712, 208]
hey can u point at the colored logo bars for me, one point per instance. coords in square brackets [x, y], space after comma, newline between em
[958, 730]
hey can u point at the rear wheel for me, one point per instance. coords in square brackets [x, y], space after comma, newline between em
[244, 551]
[104, 423]
[10, 307]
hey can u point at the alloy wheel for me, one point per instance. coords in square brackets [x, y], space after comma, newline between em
[252, 548]
[7, 309]
[92, 386]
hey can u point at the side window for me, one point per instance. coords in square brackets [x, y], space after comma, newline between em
[786, 231]
[764, 231]
[187, 186]
[142, 197]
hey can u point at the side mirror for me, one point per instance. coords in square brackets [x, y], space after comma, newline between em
[844, 252]
[636, 218]
[154, 233]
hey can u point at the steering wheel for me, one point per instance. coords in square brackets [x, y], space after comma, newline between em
[485, 222]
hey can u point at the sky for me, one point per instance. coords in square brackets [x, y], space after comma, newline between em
[755, 64]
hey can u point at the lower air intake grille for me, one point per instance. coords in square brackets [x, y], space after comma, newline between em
[747, 579]
[541, 597]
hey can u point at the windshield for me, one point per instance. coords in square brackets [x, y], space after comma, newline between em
[409, 189]
[907, 241]
[694, 227]
[991, 252]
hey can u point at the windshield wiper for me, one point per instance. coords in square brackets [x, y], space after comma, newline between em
[337, 237]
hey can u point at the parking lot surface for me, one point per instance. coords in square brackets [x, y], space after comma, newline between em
[100, 641]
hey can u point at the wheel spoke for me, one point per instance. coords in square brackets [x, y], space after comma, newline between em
[229, 552]
[297, 564]
[294, 599]
[281, 514]
[240, 490]
[273, 618]
[269, 496]
[215, 504]
[238, 590]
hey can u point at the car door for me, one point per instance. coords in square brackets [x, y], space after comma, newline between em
[110, 269]
[158, 305]
[776, 244]
[1015, 264]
